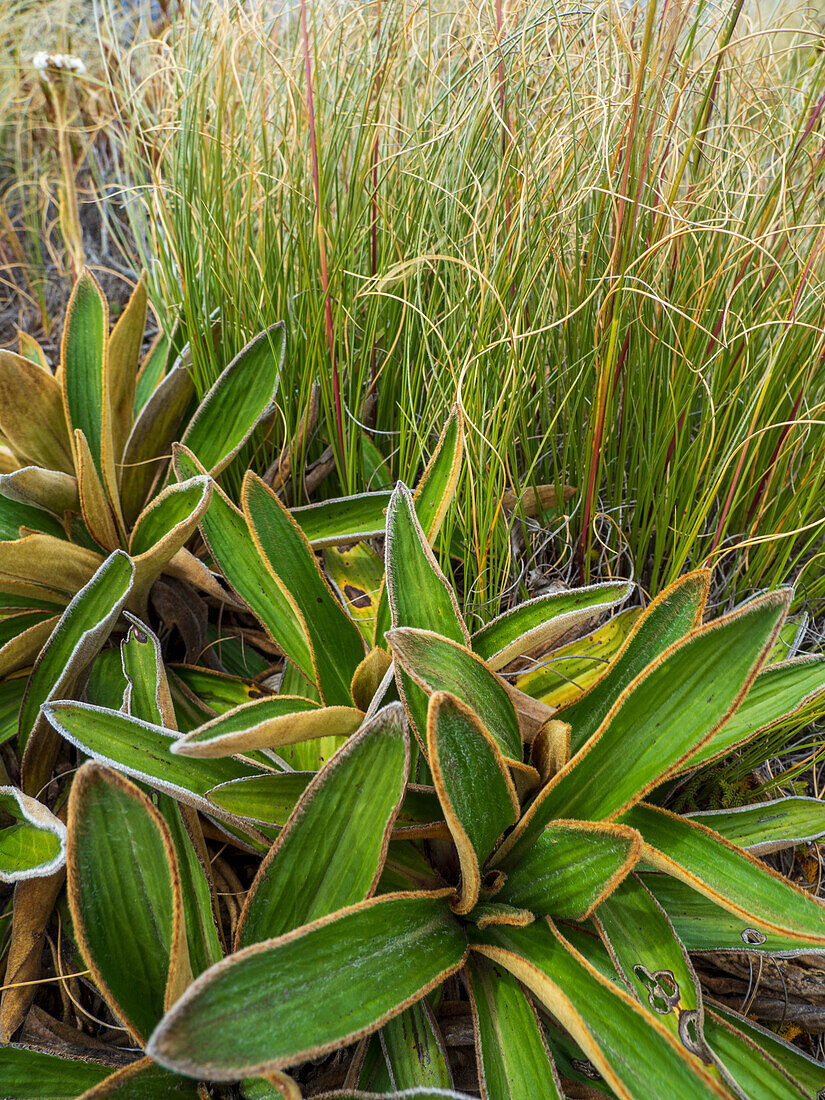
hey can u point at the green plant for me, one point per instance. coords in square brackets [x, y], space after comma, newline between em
[534, 856]
[602, 225]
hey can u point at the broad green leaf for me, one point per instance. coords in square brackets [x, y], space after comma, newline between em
[414, 1049]
[219, 691]
[178, 507]
[406, 1094]
[75, 642]
[35, 844]
[513, 1056]
[359, 967]
[236, 658]
[124, 894]
[268, 724]
[743, 1063]
[653, 962]
[808, 1072]
[12, 691]
[670, 617]
[337, 644]
[227, 535]
[432, 497]
[32, 417]
[147, 448]
[418, 592]
[474, 787]
[437, 486]
[343, 520]
[40, 489]
[143, 1080]
[268, 799]
[152, 370]
[30, 349]
[570, 868]
[15, 514]
[438, 664]
[125, 343]
[406, 867]
[106, 685]
[336, 838]
[357, 575]
[767, 826]
[83, 356]
[703, 926]
[778, 692]
[242, 395]
[541, 621]
[634, 1052]
[32, 1075]
[726, 875]
[148, 699]
[570, 1059]
[163, 528]
[660, 719]
[142, 750]
[420, 810]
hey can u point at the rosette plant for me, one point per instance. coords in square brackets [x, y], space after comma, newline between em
[463, 845]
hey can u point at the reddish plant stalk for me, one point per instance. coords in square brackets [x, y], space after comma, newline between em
[336, 386]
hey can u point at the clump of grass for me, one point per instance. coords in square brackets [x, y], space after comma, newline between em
[601, 228]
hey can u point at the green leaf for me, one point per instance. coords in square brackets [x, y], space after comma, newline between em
[337, 645]
[660, 719]
[418, 592]
[420, 809]
[357, 575]
[670, 617]
[432, 496]
[174, 513]
[343, 519]
[83, 355]
[414, 1049]
[75, 642]
[242, 395]
[726, 875]
[31, 1075]
[474, 787]
[106, 685]
[407, 1094]
[268, 723]
[11, 696]
[15, 514]
[151, 371]
[653, 963]
[125, 343]
[541, 621]
[35, 844]
[634, 1052]
[124, 894]
[358, 968]
[513, 1056]
[438, 664]
[570, 868]
[267, 799]
[142, 750]
[808, 1072]
[143, 1080]
[219, 691]
[147, 448]
[779, 692]
[703, 926]
[227, 536]
[767, 827]
[744, 1064]
[147, 695]
[336, 839]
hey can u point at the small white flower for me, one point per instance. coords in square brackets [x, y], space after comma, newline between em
[45, 63]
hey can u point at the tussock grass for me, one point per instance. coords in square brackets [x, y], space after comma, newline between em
[603, 229]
